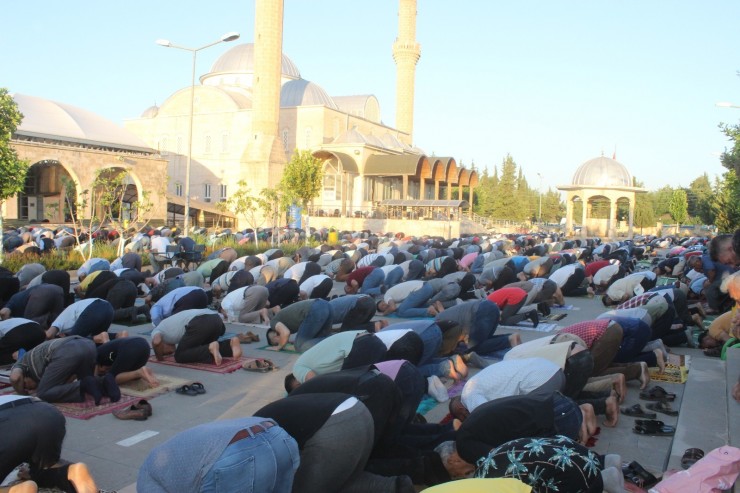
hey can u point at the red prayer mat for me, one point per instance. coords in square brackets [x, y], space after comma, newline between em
[88, 409]
[229, 365]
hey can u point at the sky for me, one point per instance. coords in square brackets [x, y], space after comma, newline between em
[551, 83]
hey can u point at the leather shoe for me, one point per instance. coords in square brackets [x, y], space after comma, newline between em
[131, 413]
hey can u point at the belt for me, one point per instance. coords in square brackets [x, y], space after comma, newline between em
[16, 403]
[251, 431]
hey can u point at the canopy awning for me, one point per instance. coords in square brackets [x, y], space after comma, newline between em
[394, 165]
[425, 203]
[177, 204]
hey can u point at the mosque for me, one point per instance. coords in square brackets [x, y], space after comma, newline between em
[250, 113]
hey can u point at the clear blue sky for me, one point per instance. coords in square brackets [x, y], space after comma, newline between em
[551, 83]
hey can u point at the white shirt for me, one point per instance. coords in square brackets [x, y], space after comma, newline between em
[309, 284]
[11, 323]
[561, 276]
[389, 336]
[296, 271]
[507, 378]
[605, 273]
[172, 328]
[401, 291]
[66, 320]
[159, 244]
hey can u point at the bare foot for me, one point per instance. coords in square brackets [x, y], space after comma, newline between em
[122, 333]
[620, 385]
[589, 418]
[660, 359]
[265, 314]
[275, 309]
[439, 306]
[158, 346]
[24, 487]
[213, 349]
[514, 339]
[453, 374]
[612, 412]
[431, 311]
[644, 375]
[80, 477]
[236, 347]
[101, 338]
[148, 376]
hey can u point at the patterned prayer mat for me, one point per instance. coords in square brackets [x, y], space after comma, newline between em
[140, 388]
[88, 409]
[229, 365]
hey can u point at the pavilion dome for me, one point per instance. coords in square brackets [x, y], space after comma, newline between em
[602, 172]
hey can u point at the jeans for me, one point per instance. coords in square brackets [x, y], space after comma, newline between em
[482, 339]
[373, 281]
[265, 462]
[316, 326]
[393, 277]
[415, 303]
[567, 416]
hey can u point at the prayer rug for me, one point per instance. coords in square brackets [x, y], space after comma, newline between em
[456, 388]
[225, 337]
[554, 317]
[228, 365]
[672, 374]
[88, 409]
[427, 404]
[289, 348]
[141, 389]
[564, 307]
[541, 327]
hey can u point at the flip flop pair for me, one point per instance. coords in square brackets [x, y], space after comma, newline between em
[662, 407]
[637, 411]
[193, 389]
[691, 456]
[653, 427]
[639, 476]
[657, 393]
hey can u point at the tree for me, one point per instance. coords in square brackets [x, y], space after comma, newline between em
[243, 204]
[678, 207]
[726, 204]
[700, 196]
[644, 216]
[661, 199]
[730, 158]
[302, 179]
[504, 201]
[12, 170]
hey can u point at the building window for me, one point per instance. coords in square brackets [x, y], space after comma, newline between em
[163, 146]
[207, 145]
[179, 144]
[308, 137]
[207, 192]
[285, 139]
[225, 143]
[222, 192]
[178, 189]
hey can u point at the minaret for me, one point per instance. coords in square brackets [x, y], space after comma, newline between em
[406, 53]
[265, 156]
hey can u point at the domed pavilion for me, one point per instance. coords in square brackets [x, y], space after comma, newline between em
[603, 190]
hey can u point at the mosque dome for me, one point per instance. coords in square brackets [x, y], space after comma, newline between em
[301, 92]
[350, 136]
[150, 112]
[240, 59]
[602, 172]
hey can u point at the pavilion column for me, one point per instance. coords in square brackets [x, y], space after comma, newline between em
[569, 215]
[470, 201]
[344, 194]
[436, 190]
[612, 218]
[459, 192]
[449, 191]
[584, 214]
[421, 188]
[405, 189]
[630, 233]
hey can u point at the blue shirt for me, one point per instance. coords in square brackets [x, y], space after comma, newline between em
[163, 308]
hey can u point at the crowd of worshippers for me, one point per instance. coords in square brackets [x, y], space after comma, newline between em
[354, 391]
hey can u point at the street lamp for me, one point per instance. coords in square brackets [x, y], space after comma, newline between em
[231, 36]
[539, 214]
[725, 104]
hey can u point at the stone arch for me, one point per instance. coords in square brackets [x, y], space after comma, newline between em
[130, 188]
[43, 197]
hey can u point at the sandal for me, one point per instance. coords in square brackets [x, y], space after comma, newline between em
[186, 390]
[691, 456]
[258, 365]
[646, 478]
[662, 407]
[198, 387]
[648, 423]
[663, 431]
[637, 411]
[657, 394]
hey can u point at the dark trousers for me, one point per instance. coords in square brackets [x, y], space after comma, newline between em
[31, 433]
[283, 292]
[574, 285]
[605, 348]
[76, 357]
[482, 338]
[366, 350]
[26, 336]
[359, 316]
[132, 353]
[322, 290]
[8, 287]
[122, 294]
[199, 333]
[578, 369]
[194, 300]
[44, 305]
[510, 315]
[93, 320]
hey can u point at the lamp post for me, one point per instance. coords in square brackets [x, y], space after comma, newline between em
[539, 214]
[231, 36]
[725, 104]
